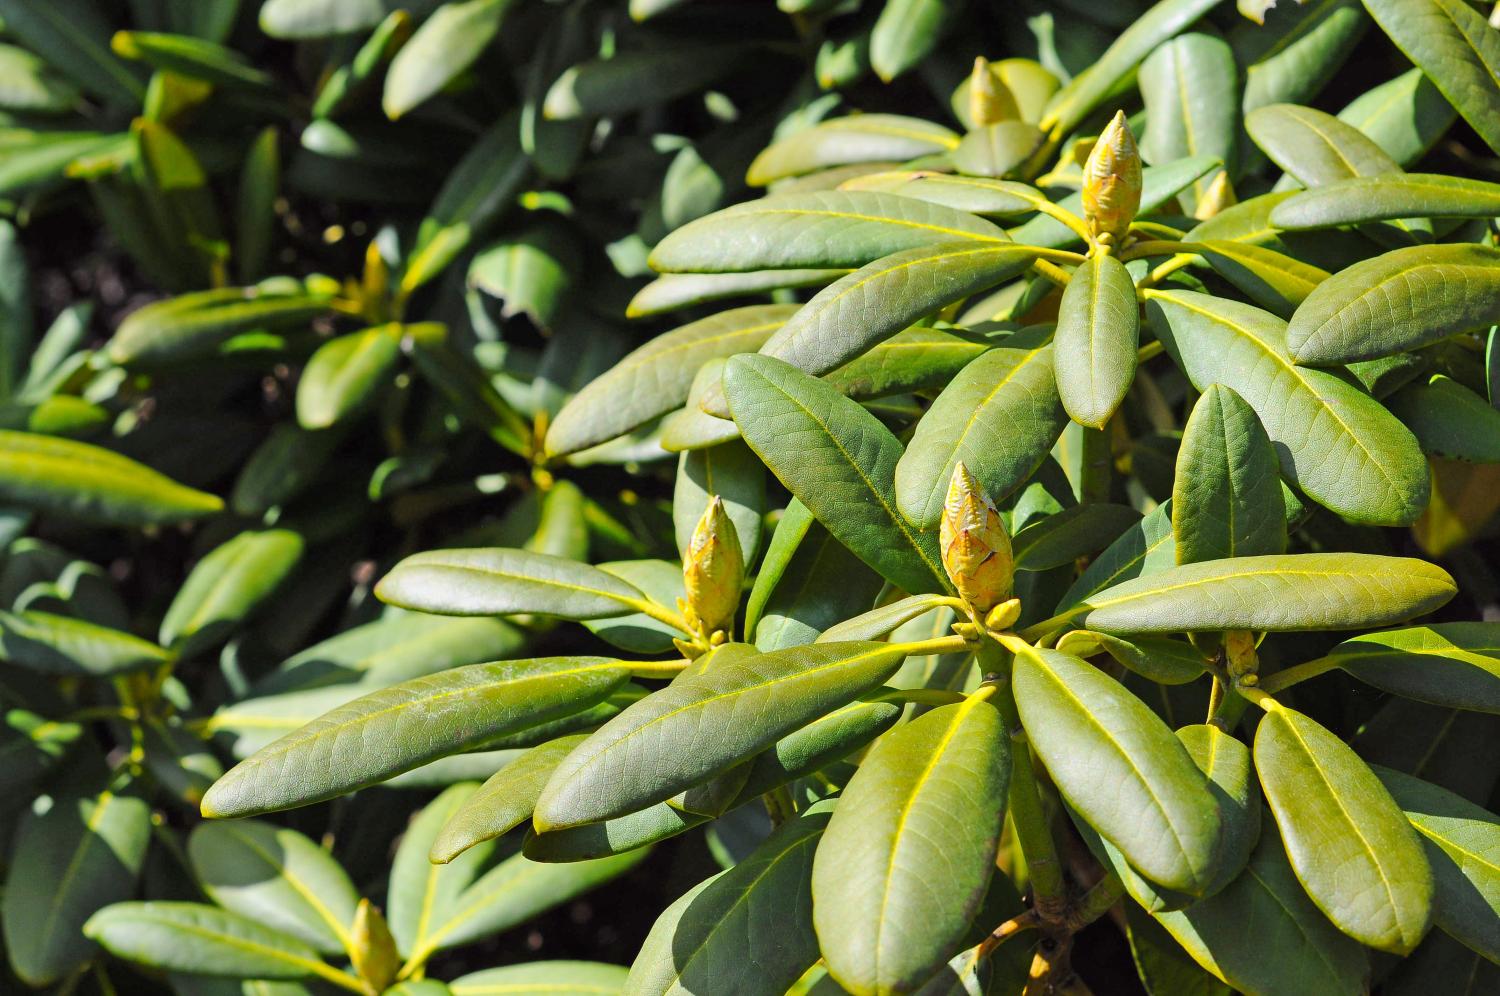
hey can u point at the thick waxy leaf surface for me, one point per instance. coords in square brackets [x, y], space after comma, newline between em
[1161, 659]
[1384, 198]
[730, 472]
[203, 940]
[1121, 769]
[228, 585]
[93, 483]
[672, 291]
[64, 645]
[1274, 281]
[493, 582]
[1398, 301]
[1191, 89]
[1449, 664]
[746, 931]
[1449, 420]
[1347, 840]
[912, 360]
[1059, 539]
[838, 459]
[278, 878]
[543, 978]
[404, 726]
[1336, 443]
[1231, 775]
[703, 723]
[857, 312]
[1098, 332]
[1291, 592]
[657, 377]
[195, 325]
[1463, 845]
[344, 374]
[1456, 47]
[975, 194]
[808, 582]
[881, 622]
[1404, 116]
[999, 416]
[858, 138]
[819, 230]
[503, 802]
[1315, 147]
[1226, 498]
[1145, 548]
[910, 850]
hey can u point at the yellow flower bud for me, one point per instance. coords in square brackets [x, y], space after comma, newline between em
[990, 100]
[713, 569]
[1218, 196]
[374, 949]
[975, 545]
[1112, 183]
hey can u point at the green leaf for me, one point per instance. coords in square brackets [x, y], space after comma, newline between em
[1348, 842]
[67, 861]
[1384, 198]
[1449, 664]
[255, 205]
[911, 360]
[1075, 532]
[343, 376]
[320, 18]
[1462, 842]
[820, 229]
[31, 85]
[73, 35]
[1231, 775]
[1310, 955]
[281, 468]
[543, 978]
[1336, 443]
[1000, 416]
[1098, 332]
[1226, 497]
[1145, 548]
[202, 939]
[657, 377]
[63, 645]
[620, 835]
[1315, 147]
[422, 894]
[1400, 300]
[503, 802]
[731, 472]
[1449, 420]
[882, 621]
[1456, 48]
[638, 632]
[1273, 280]
[855, 313]
[631, 81]
[278, 878]
[857, 138]
[445, 45]
[838, 460]
[808, 582]
[905, 32]
[675, 291]
[1405, 116]
[399, 728]
[999, 149]
[1122, 769]
[681, 735]
[497, 581]
[92, 483]
[226, 587]
[747, 931]
[1159, 659]
[908, 855]
[975, 194]
[195, 325]
[1294, 57]
[531, 272]
[830, 738]
[30, 746]
[193, 58]
[1191, 89]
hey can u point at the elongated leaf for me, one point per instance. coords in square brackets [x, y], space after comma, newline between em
[1311, 955]
[632, 80]
[1348, 842]
[905, 32]
[679, 736]
[1449, 664]
[1121, 768]
[1070, 534]
[1462, 842]
[202, 939]
[63, 645]
[73, 35]
[656, 377]
[823, 229]
[1404, 116]
[999, 416]
[1160, 659]
[278, 878]
[1145, 548]
[746, 931]
[1271, 279]
[1338, 445]
[444, 46]
[820, 743]
[1231, 775]
[1383, 198]
[196, 325]
[881, 621]
[1456, 48]
[30, 746]
[730, 472]
[1226, 498]
[838, 460]
[1098, 331]
[1449, 420]
[228, 585]
[808, 582]
[910, 850]
[1397, 301]
[422, 894]
[193, 58]
[543, 978]
[857, 138]
[68, 861]
[401, 727]
[614, 836]
[1291, 59]
[492, 582]
[912, 360]
[1191, 89]
[1315, 147]
[672, 291]
[92, 483]
[503, 802]
[975, 194]
[857, 312]
[344, 375]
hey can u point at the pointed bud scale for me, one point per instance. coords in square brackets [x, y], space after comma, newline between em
[990, 100]
[1112, 183]
[976, 547]
[1218, 196]
[713, 569]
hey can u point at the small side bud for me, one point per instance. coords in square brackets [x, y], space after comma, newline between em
[1003, 616]
[1240, 658]
[373, 952]
[990, 100]
[1218, 196]
[975, 545]
[1112, 183]
[713, 569]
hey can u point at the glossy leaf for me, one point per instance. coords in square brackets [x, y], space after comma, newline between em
[228, 585]
[503, 802]
[543, 978]
[63, 645]
[1191, 91]
[1145, 548]
[857, 138]
[1453, 664]
[1405, 116]
[202, 939]
[1315, 147]
[1098, 332]
[1449, 420]
[196, 325]
[444, 46]
[1383, 198]
[1226, 498]
[1274, 281]
[344, 375]
[492, 582]
[674, 291]
[730, 472]
[808, 582]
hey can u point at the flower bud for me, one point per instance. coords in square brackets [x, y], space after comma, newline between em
[374, 949]
[990, 100]
[1218, 196]
[713, 569]
[1112, 183]
[975, 545]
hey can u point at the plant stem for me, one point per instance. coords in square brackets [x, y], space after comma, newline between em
[779, 805]
[1282, 680]
[939, 645]
[1052, 272]
[660, 613]
[1151, 247]
[1096, 902]
[1095, 467]
[921, 696]
[655, 669]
